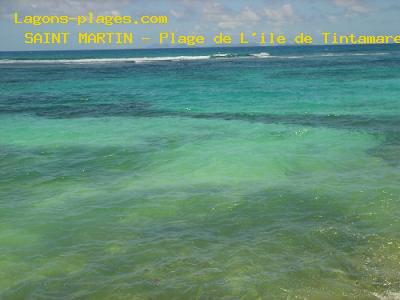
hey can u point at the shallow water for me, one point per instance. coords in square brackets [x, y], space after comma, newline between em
[236, 177]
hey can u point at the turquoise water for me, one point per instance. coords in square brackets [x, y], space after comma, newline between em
[200, 174]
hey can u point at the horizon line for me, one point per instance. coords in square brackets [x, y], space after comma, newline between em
[200, 47]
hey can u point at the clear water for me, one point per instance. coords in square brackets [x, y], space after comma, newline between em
[145, 175]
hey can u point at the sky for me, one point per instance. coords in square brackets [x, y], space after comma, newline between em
[206, 17]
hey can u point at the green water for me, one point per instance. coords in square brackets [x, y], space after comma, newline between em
[240, 178]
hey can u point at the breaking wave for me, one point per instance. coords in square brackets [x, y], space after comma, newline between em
[138, 60]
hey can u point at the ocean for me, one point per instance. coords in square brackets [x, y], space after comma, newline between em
[230, 173]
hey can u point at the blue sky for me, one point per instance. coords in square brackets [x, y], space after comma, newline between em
[209, 17]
